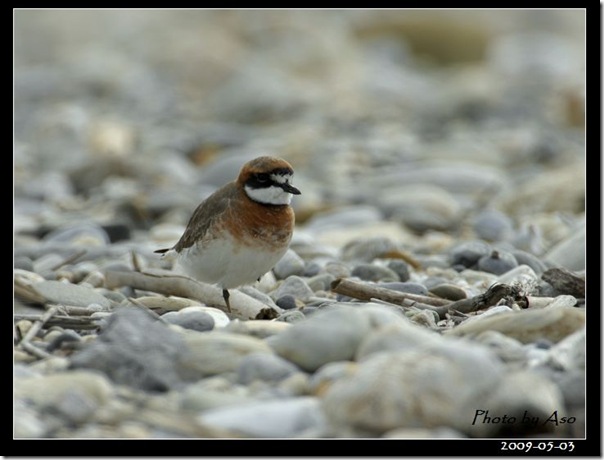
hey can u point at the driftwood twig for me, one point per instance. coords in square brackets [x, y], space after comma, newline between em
[167, 283]
[368, 291]
[565, 281]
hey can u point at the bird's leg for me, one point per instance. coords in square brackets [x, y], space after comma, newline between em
[226, 295]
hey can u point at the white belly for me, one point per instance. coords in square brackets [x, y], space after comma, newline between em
[217, 262]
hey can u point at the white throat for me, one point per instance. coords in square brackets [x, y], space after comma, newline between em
[269, 195]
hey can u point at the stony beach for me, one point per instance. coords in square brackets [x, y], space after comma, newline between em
[435, 283]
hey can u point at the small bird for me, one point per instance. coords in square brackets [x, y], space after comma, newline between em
[240, 231]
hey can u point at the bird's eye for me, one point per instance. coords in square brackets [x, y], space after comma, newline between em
[262, 177]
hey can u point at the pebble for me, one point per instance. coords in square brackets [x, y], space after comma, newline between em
[527, 326]
[468, 253]
[569, 253]
[287, 302]
[522, 275]
[135, 350]
[294, 286]
[400, 268]
[492, 225]
[191, 318]
[526, 258]
[367, 249]
[290, 264]
[216, 352]
[402, 335]
[75, 395]
[371, 272]
[409, 287]
[497, 262]
[256, 328]
[264, 366]
[321, 282]
[281, 418]
[79, 234]
[333, 335]
[57, 292]
[376, 397]
[448, 291]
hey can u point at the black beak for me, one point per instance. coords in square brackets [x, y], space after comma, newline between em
[290, 189]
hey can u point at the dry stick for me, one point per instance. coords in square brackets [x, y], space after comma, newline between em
[167, 283]
[72, 258]
[66, 322]
[366, 291]
[565, 281]
[33, 330]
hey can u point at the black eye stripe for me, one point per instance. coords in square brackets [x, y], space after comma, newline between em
[264, 180]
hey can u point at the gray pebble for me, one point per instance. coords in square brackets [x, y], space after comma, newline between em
[135, 350]
[526, 258]
[400, 268]
[294, 286]
[408, 286]
[366, 250]
[492, 225]
[312, 268]
[333, 335]
[337, 269]
[468, 253]
[287, 302]
[570, 252]
[292, 316]
[376, 397]
[264, 366]
[371, 272]
[321, 282]
[70, 294]
[497, 262]
[79, 234]
[191, 319]
[449, 291]
[280, 418]
[290, 264]
[23, 263]
[47, 263]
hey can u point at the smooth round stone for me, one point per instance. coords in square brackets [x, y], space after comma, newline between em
[569, 353]
[521, 274]
[425, 207]
[508, 349]
[448, 291]
[256, 328]
[79, 234]
[400, 268]
[287, 302]
[371, 272]
[281, 418]
[408, 286]
[200, 396]
[337, 269]
[290, 264]
[76, 395]
[342, 218]
[468, 253]
[47, 263]
[376, 397]
[265, 367]
[492, 225]
[291, 316]
[332, 335]
[526, 258]
[23, 263]
[70, 294]
[527, 326]
[136, 350]
[570, 252]
[368, 249]
[326, 375]
[190, 318]
[294, 286]
[217, 352]
[538, 395]
[321, 282]
[497, 262]
[400, 336]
